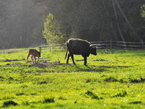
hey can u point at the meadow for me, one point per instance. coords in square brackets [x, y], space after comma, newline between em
[109, 81]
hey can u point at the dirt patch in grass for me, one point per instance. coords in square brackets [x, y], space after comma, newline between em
[11, 51]
[105, 66]
[12, 65]
[58, 67]
[40, 65]
[9, 60]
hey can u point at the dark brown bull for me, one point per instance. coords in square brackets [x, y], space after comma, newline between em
[79, 47]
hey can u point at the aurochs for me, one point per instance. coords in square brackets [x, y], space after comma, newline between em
[79, 47]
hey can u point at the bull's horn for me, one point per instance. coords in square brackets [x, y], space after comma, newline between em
[95, 45]
[91, 45]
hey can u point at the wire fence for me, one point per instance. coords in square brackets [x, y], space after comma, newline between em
[100, 45]
[119, 45]
[104, 45]
[54, 47]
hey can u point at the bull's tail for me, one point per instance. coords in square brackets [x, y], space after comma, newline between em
[66, 50]
[66, 53]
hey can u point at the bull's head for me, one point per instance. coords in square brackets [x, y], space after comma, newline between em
[93, 48]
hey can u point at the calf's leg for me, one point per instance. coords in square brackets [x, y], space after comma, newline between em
[32, 59]
[35, 59]
[38, 59]
[27, 57]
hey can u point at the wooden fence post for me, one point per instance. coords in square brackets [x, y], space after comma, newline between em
[50, 47]
[40, 49]
[3, 49]
[142, 43]
[111, 44]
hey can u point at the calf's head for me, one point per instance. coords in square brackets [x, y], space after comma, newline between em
[93, 49]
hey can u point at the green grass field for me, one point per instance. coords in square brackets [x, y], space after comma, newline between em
[110, 81]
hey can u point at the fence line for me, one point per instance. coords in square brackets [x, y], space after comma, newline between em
[54, 47]
[119, 45]
[105, 45]
[101, 45]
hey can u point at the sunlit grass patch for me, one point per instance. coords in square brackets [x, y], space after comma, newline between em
[108, 81]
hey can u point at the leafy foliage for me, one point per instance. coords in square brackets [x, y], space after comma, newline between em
[113, 19]
[143, 11]
[52, 30]
[22, 22]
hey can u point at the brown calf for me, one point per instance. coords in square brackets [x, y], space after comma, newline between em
[34, 53]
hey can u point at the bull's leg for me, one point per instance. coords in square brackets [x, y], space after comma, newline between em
[27, 57]
[67, 58]
[32, 59]
[72, 57]
[85, 60]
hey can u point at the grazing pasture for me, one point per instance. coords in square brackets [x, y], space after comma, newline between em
[110, 81]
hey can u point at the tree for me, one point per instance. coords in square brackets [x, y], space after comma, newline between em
[143, 11]
[99, 20]
[52, 30]
[20, 23]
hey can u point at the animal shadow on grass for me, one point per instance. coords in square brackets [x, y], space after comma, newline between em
[38, 65]
[90, 68]
[9, 60]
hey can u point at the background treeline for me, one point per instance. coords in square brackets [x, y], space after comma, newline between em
[21, 23]
[32, 22]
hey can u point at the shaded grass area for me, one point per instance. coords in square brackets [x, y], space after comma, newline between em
[109, 81]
